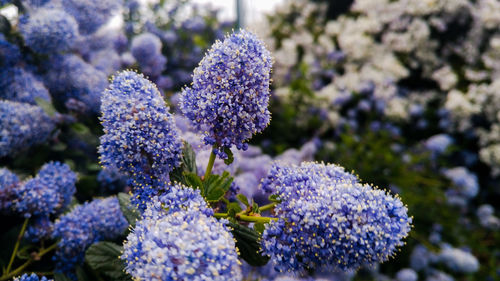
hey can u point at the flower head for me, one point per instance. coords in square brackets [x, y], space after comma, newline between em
[181, 245]
[84, 225]
[47, 193]
[32, 277]
[140, 137]
[22, 125]
[49, 31]
[91, 14]
[327, 220]
[8, 182]
[228, 99]
[22, 86]
[146, 49]
[39, 229]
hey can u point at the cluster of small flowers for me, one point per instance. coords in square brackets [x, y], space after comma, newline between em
[86, 224]
[177, 233]
[230, 92]
[32, 277]
[49, 192]
[329, 220]
[140, 136]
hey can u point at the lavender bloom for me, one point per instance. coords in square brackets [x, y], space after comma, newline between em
[39, 229]
[229, 96]
[438, 143]
[8, 182]
[91, 14]
[485, 214]
[49, 31]
[22, 125]
[465, 180]
[146, 49]
[111, 180]
[9, 53]
[106, 60]
[420, 258]
[140, 136]
[47, 193]
[71, 77]
[20, 85]
[406, 274]
[181, 197]
[86, 224]
[439, 276]
[32, 277]
[327, 220]
[459, 260]
[181, 245]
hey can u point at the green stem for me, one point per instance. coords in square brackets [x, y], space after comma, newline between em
[221, 215]
[268, 206]
[20, 269]
[255, 219]
[210, 165]
[16, 247]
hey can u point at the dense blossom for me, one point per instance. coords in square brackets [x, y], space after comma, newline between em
[459, 260]
[39, 229]
[486, 215]
[91, 14]
[71, 77]
[20, 85]
[406, 274]
[146, 49]
[111, 179]
[49, 31]
[32, 277]
[84, 225]
[181, 197]
[140, 137]
[47, 193]
[181, 245]
[8, 182]
[228, 99]
[22, 125]
[9, 53]
[326, 219]
[466, 181]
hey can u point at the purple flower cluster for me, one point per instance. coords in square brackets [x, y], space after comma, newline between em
[182, 243]
[22, 125]
[8, 182]
[146, 49]
[21, 85]
[39, 229]
[326, 219]
[140, 137]
[47, 193]
[91, 14]
[86, 224]
[32, 277]
[48, 31]
[228, 99]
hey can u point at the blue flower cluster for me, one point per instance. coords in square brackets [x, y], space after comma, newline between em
[84, 225]
[486, 215]
[111, 180]
[458, 260]
[326, 219]
[406, 274]
[32, 277]
[91, 14]
[146, 49]
[8, 182]
[9, 53]
[20, 85]
[140, 137]
[49, 30]
[47, 193]
[181, 245]
[23, 125]
[39, 229]
[179, 198]
[228, 99]
[71, 77]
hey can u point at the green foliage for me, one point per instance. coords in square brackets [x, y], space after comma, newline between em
[247, 241]
[130, 213]
[103, 257]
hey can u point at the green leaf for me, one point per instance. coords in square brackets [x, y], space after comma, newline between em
[215, 186]
[255, 207]
[80, 129]
[243, 199]
[230, 156]
[259, 227]
[58, 276]
[5, 26]
[189, 158]
[103, 257]
[193, 180]
[129, 211]
[46, 106]
[81, 275]
[274, 198]
[233, 208]
[247, 242]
